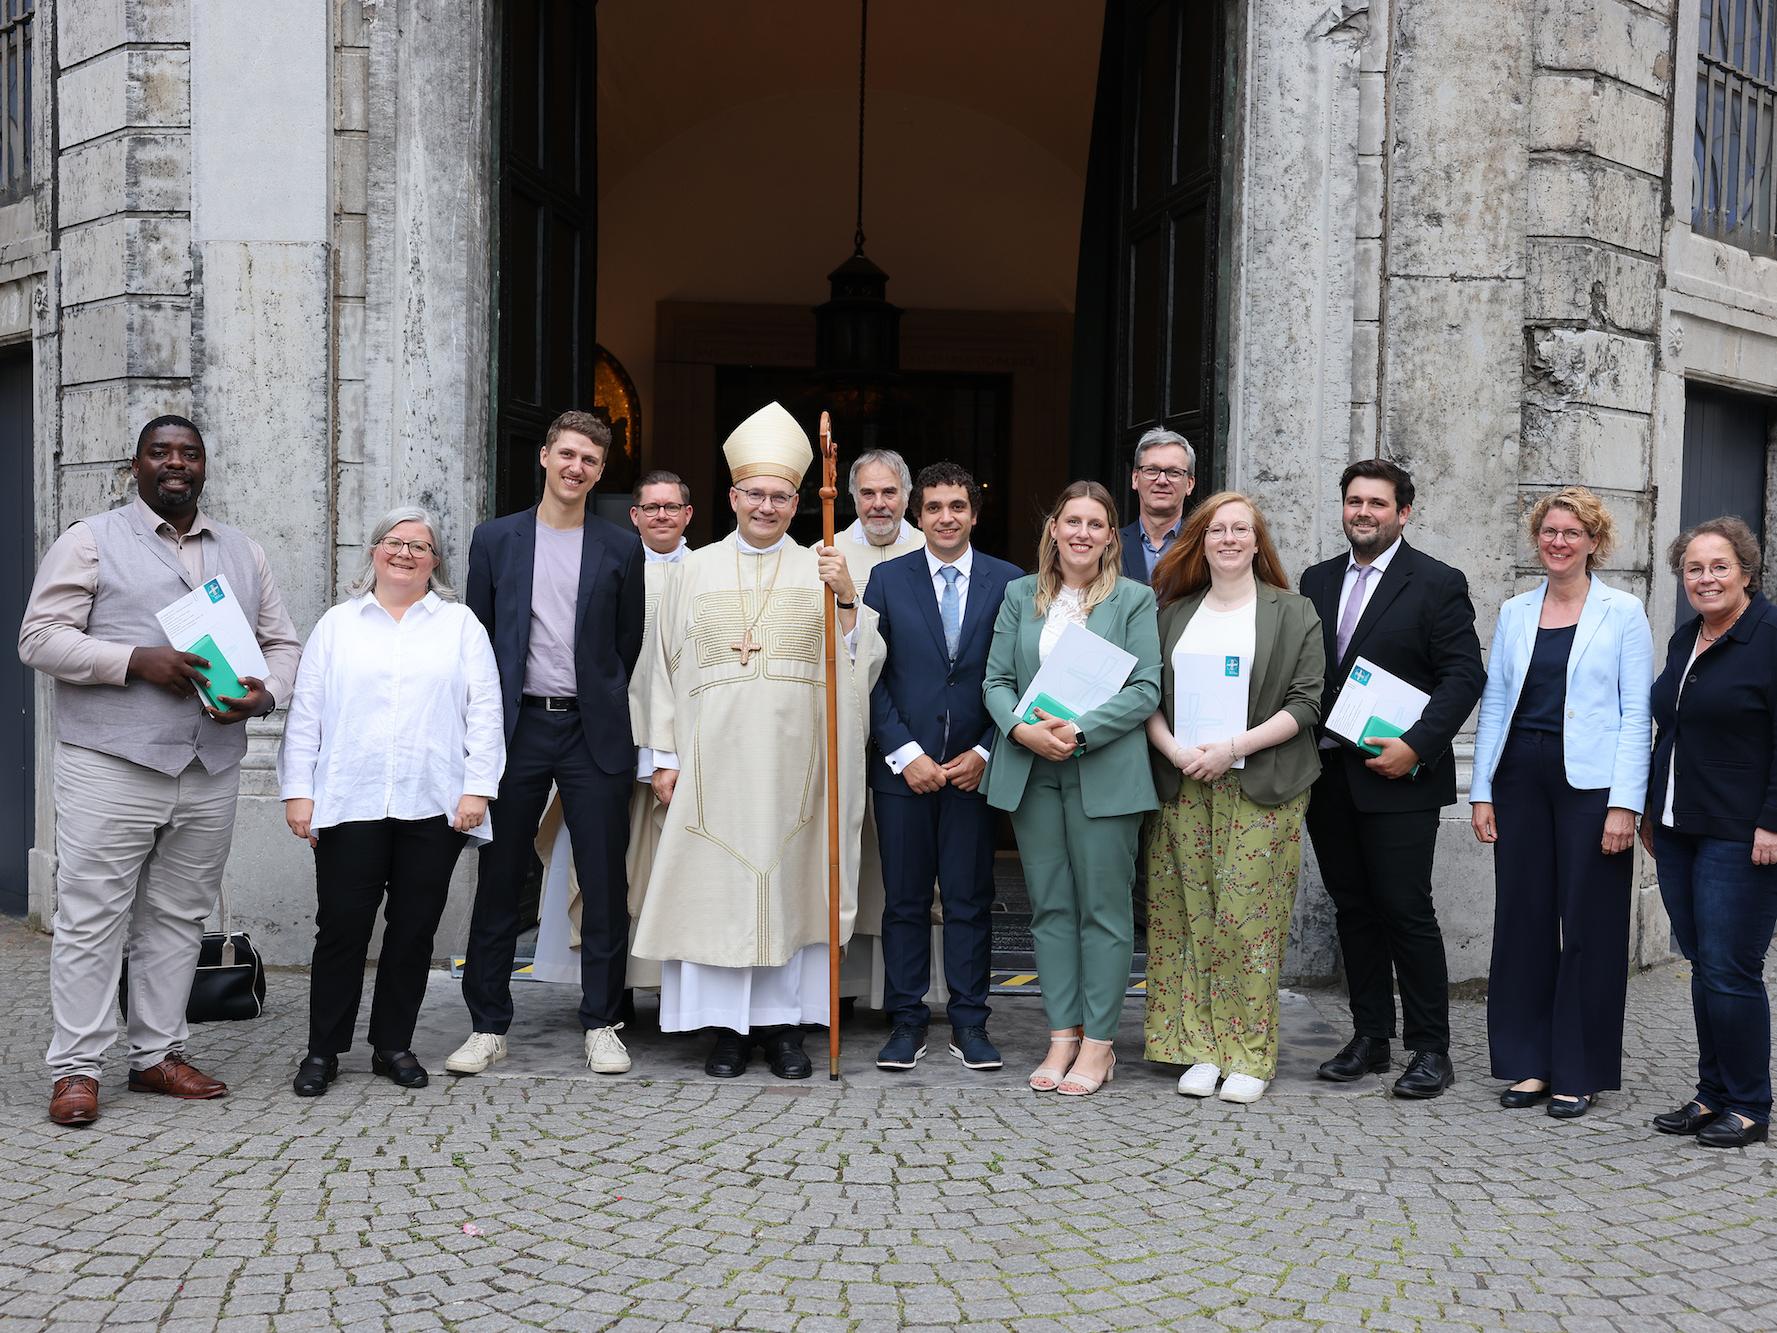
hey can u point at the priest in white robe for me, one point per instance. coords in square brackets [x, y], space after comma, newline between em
[732, 703]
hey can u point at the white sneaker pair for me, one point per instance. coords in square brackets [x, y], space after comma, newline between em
[1200, 1081]
[605, 1053]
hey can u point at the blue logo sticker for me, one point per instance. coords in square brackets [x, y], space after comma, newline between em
[1361, 676]
[214, 588]
[1230, 666]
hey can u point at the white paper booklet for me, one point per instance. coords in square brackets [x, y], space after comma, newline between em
[1082, 671]
[1369, 692]
[211, 608]
[1209, 698]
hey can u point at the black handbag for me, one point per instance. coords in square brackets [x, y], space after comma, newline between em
[229, 984]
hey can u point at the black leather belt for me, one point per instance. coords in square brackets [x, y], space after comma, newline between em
[550, 703]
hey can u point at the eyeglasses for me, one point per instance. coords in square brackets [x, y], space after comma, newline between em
[767, 499]
[1721, 571]
[1571, 536]
[1153, 473]
[1218, 532]
[670, 510]
[395, 546]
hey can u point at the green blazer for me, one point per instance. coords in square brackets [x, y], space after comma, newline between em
[1114, 779]
[1289, 672]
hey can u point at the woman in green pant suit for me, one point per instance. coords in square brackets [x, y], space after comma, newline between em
[1076, 790]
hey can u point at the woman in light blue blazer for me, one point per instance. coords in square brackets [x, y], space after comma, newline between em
[1561, 759]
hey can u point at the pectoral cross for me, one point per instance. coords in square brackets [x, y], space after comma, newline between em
[745, 647]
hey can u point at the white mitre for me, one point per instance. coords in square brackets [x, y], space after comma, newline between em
[768, 444]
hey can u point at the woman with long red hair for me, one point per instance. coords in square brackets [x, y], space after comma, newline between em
[1224, 851]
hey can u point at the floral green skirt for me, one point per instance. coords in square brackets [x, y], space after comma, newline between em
[1221, 874]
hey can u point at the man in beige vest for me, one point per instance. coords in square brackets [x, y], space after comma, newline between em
[146, 774]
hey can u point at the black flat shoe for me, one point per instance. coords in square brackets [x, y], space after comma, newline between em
[401, 1068]
[1726, 1131]
[1519, 1099]
[1572, 1110]
[728, 1057]
[1428, 1074]
[1687, 1119]
[1360, 1056]
[783, 1049]
[314, 1074]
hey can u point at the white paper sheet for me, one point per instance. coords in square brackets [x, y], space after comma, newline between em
[1369, 692]
[1082, 671]
[211, 608]
[1209, 698]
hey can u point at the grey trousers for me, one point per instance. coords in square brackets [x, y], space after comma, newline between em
[138, 855]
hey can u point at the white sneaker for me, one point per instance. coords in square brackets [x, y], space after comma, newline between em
[1199, 1081]
[604, 1052]
[1242, 1088]
[481, 1050]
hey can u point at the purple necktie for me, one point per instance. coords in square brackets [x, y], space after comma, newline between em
[1353, 609]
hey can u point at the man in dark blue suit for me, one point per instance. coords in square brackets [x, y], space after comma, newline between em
[931, 735]
[561, 594]
[1163, 476]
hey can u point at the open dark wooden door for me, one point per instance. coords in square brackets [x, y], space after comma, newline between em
[548, 262]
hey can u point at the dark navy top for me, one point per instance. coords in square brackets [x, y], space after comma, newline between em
[1544, 696]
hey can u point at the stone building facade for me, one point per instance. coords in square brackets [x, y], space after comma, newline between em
[1456, 235]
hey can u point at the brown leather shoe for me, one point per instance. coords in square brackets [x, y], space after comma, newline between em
[177, 1077]
[75, 1100]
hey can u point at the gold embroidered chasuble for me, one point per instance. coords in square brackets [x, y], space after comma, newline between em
[739, 878]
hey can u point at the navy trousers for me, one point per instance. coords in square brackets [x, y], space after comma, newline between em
[946, 835]
[1723, 910]
[1560, 970]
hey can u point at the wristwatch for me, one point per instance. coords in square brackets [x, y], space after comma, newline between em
[1079, 739]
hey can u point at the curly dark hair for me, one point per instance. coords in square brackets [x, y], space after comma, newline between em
[945, 474]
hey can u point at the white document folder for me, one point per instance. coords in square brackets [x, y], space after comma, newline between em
[1369, 692]
[1209, 698]
[212, 608]
[1082, 672]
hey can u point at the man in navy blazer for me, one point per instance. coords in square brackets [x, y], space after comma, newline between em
[931, 736]
[1163, 476]
[560, 592]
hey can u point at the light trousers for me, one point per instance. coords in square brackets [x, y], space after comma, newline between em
[1080, 872]
[139, 856]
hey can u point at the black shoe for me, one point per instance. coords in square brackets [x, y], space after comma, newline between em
[783, 1049]
[1572, 1110]
[971, 1046]
[1518, 1099]
[1727, 1131]
[1362, 1055]
[399, 1067]
[314, 1074]
[728, 1057]
[1687, 1119]
[1428, 1074]
[906, 1043]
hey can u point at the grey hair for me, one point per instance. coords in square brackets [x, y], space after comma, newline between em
[366, 580]
[880, 458]
[1158, 436]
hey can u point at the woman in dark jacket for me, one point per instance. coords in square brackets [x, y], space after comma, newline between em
[1711, 824]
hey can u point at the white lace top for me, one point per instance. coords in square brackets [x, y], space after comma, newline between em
[1067, 608]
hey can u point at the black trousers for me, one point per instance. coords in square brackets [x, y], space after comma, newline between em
[945, 835]
[549, 748]
[1560, 970]
[1377, 869]
[357, 865]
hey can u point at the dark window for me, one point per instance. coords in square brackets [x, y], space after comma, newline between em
[15, 98]
[1734, 192]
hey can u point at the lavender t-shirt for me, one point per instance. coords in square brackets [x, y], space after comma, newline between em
[555, 591]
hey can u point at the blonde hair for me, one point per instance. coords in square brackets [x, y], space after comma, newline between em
[1110, 560]
[1588, 510]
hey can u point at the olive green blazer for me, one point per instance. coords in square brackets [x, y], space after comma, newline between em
[1114, 777]
[1289, 672]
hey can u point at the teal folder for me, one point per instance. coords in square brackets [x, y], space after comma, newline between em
[221, 680]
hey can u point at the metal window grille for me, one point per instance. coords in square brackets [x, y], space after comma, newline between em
[1734, 190]
[15, 97]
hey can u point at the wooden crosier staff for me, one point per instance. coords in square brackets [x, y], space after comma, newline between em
[830, 493]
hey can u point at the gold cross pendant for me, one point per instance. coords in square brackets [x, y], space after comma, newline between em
[745, 647]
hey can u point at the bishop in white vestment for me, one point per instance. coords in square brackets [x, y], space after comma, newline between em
[732, 703]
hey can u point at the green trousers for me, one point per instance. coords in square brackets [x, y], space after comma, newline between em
[1080, 872]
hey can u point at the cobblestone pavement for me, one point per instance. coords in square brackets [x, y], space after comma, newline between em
[663, 1199]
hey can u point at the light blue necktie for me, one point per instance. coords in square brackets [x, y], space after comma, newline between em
[950, 608]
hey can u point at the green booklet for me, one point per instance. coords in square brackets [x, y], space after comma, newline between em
[1053, 707]
[222, 681]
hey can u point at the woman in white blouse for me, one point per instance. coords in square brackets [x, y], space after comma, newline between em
[393, 746]
[1076, 787]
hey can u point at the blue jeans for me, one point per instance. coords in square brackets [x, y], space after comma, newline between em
[1723, 910]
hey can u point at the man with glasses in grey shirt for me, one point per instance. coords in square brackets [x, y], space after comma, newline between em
[1163, 476]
